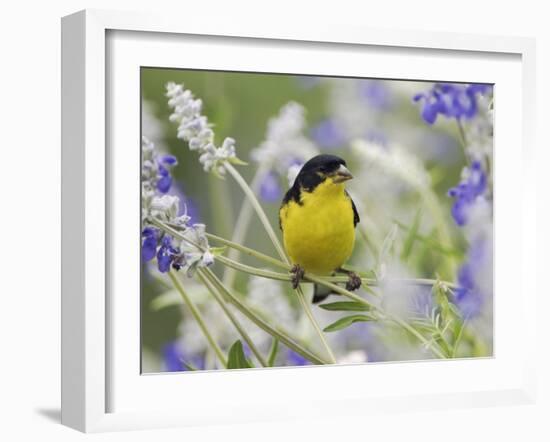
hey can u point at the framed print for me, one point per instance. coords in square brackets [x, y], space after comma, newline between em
[267, 222]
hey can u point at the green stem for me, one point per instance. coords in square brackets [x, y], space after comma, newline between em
[241, 226]
[283, 277]
[463, 141]
[271, 233]
[257, 208]
[415, 333]
[198, 317]
[354, 297]
[309, 313]
[325, 281]
[248, 251]
[233, 319]
[458, 338]
[220, 205]
[260, 322]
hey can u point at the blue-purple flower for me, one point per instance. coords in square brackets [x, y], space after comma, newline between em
[450, 100]
[295, 359]
[376, 94]
[164, 179]
[155, 244]
[470, 295]
[270, 188]
[472, 210]
[150, 241]
[166, 254]
[175, 359]
[192, 249]
[328, 134]
[473, 186]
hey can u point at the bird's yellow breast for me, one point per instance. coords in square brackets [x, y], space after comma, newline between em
[319, 233]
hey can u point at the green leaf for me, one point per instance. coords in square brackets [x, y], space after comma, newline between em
[346, 322]
[448, 311]
[273, 352]
[431, 242]
[236, 357]
[189, 366]
[411, 236]
[237, 161]
[350, 306]
[217, 251]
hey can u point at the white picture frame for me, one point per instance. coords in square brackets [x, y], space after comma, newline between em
[88, 320]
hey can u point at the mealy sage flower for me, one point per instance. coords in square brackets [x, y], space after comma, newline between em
[191, 252]
[284, 148]
[472, 210]
[472, 207]
[195, 251]
[285, 143]
[194, 128]
[155, 174]
[450, 100]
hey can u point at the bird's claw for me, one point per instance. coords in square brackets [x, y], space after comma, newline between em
[354, 281]
[297, 275]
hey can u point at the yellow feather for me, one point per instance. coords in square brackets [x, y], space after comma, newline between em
[319, 234]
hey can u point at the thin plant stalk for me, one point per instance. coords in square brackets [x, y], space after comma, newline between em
[260, 322]
[233, 320]
[243, 221]
[258, 209]
[284, 277]
[271, 233]
[198, 317]
[428, 344]
[325, 281]
[248, 251]
[463, 142]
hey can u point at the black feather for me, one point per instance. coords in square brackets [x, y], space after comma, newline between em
[311, 175]
[356, 218]
[320, 293]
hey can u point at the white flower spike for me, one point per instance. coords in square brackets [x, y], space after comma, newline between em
[194, 128]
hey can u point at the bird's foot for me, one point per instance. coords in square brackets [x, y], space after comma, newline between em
[354, 282]
[297, 275]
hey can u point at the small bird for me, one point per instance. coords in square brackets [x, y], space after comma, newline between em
[318, 219]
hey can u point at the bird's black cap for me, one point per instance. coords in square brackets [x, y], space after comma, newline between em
[325, 163]
[312, 173]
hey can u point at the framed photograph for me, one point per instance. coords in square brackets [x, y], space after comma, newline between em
[269, 222]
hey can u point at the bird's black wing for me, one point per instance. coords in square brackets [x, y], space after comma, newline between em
[292, 194]
[355, 214]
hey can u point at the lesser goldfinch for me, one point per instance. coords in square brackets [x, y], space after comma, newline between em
[318, 219]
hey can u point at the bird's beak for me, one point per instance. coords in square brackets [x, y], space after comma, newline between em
[342, 174]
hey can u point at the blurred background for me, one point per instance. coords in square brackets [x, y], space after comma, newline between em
[405, 164]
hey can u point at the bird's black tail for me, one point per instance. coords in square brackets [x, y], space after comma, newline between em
[320, 293]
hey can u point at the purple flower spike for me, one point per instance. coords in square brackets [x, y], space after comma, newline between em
[270, 189]
[450, 100]
[164, 184]
[469, 296]
[328, 134]
[466, 193]
[149, 246]
[169, 160]
[166, 254]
